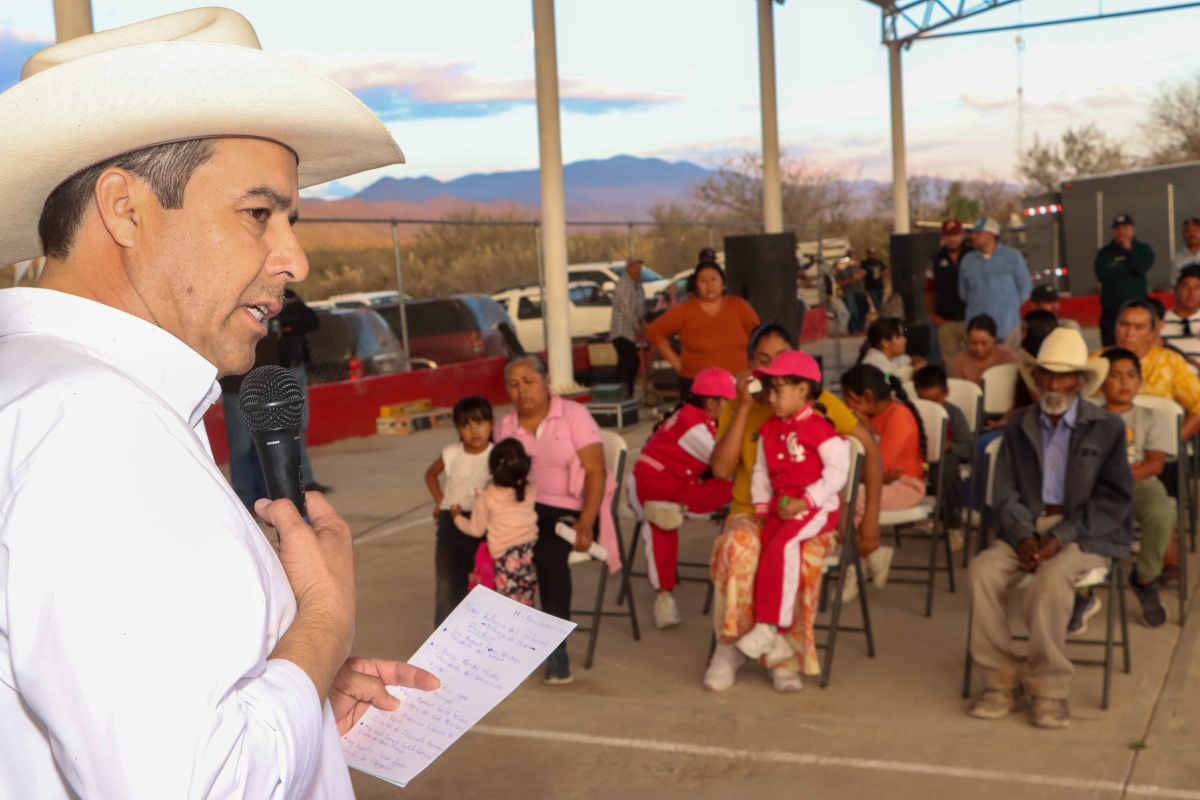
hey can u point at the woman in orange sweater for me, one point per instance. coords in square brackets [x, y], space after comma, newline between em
[713, 329]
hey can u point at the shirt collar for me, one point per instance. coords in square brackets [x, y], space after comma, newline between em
[185, 380]
[1067, 419]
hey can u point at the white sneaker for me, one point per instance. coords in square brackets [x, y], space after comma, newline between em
[780, 651]
[723, 668]
[786, 680]
[957, 538]
[666, 613]
[668, 516]
[758, 641]
[850, 588]
[879, 563]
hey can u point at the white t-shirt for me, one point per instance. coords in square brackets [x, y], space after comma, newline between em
[465, 472]
[139, 602]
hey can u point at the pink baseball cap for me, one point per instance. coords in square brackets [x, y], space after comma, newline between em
[714, 382]
[793, 362]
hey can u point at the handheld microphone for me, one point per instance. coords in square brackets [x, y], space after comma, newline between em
[273, 405]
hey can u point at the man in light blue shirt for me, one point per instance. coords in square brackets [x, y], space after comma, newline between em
[1056, 436]
[993, 279]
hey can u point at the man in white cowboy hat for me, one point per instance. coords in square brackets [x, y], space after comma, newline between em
[993, 279]
[1063, 500]
[152, 644]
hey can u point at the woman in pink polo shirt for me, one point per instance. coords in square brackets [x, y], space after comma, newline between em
[569, 474]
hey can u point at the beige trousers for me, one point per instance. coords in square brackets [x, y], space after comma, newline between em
[1046, 607]
[952, 340]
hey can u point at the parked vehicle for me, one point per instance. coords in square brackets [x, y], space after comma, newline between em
[590, 312]
[357, 300]
[351, 344]
[453, 329]
[606, 274]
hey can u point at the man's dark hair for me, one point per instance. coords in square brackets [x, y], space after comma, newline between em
[982, 322]
[1115, 354]
[1190, 271]
[167, 168]
[1147, 303]
[472, 409]
[1038, 324]
[931, 376]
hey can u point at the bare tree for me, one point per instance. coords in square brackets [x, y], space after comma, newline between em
[1173, 129]
[809, 193]
[1086, 150]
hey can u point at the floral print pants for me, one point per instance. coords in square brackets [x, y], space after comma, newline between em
[732, 567]
[516, 575]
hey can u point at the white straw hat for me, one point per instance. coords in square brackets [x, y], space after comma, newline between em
[1064, 350]
[193, 74]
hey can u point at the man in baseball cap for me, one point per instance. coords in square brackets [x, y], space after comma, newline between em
[994, 280]
[155, 644]
[946, 308]
[1121, 267]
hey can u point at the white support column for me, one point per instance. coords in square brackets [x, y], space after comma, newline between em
[72, 18]
[772, 188]
[899, 169]
[554, 225]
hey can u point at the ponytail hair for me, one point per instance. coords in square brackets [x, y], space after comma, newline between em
[510, 465]
[877, 332]
[863, 378]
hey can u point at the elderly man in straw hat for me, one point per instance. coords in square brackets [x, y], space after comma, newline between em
[1063, 498]
[152, 644]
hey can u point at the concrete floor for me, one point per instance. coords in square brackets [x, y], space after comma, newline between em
[639, 725]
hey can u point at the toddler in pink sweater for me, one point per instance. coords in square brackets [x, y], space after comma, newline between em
[504, 511]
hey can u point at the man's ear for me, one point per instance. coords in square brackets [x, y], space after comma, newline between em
[120, 201]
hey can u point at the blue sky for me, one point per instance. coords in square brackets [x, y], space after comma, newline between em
[678, 79]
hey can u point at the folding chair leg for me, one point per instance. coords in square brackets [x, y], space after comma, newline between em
[931, 575]
[1124, 617]
[633, 543]
[1113, 588]
[633, 620]
[708, 598]
[831, 637]
[597, 615]
[862, 604]
[949, 560]
[1181, 550]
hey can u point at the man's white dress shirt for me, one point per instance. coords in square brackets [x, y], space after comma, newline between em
[138, 599]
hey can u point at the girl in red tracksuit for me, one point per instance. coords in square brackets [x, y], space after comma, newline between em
[666, 481]
[801, 467]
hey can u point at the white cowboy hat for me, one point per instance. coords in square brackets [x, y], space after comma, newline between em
[1064, 350]
[193, 74]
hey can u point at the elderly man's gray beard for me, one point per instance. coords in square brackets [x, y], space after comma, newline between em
[1055, 403]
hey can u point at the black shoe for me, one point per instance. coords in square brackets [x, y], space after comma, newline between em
[1086, 607]
[558, 669]
[318, 487]
[1153, 613]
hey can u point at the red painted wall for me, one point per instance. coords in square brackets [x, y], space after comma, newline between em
[349, 408]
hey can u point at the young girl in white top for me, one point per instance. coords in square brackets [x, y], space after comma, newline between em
[465, 464]
[886, 341]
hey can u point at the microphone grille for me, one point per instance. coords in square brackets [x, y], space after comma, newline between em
[271, 399]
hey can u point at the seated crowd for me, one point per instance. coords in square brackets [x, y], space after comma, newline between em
[1079, 465]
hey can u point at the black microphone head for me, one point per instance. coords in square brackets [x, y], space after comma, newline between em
[271, 399]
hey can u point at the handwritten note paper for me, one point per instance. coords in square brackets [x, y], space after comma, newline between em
[484, 649]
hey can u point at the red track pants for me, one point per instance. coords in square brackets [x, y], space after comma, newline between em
[781, 564]
[698, 497]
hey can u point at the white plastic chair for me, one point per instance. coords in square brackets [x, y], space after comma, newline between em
[1000, 388]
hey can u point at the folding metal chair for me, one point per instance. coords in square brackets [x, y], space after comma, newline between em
[615, 456]
[991, 453]
[635, 505]
[834, 569]
[1169, 410]
[1111, 577]
[933, 420]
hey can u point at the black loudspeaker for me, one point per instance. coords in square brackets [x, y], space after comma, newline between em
[911, 255]
[761, 269]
